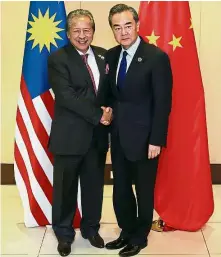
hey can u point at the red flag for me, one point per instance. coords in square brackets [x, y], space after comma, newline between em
[183, 193]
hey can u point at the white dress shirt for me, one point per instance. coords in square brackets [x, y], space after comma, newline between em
[93, 65]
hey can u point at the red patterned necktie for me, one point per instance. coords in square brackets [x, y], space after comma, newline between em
[84, 57]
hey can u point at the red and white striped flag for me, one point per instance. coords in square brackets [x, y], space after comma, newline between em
[33, 164]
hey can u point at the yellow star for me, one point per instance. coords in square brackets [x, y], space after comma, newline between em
[152, 38]
[191, 24]
[175, 42]
[44, 30]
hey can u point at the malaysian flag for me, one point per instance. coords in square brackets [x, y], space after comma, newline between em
[33, 164]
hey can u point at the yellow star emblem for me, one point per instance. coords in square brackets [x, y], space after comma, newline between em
[44, 30]
[175, 42]
[191, 23]
[153, 38]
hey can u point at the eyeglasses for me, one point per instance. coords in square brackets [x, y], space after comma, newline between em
[86, 32]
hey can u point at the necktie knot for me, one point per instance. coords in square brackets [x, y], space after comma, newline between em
[84, 57]
[124, 54]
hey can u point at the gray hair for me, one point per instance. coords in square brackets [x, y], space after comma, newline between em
[119, 8]
[79, 13]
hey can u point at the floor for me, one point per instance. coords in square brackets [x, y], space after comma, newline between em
[18, 241]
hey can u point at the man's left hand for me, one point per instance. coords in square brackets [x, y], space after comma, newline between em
[153, 151]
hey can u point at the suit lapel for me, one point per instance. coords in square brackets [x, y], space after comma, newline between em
[76, 63]
[100, 64]
[137, 60]
[113, 69]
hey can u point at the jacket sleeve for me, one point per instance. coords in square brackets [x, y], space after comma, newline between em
[109, 97]
[162, 99]
[66, 96]
[106, 94]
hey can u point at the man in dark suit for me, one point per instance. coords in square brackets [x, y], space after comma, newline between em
[140, 81]
[79, 137]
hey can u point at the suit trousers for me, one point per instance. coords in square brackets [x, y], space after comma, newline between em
[68, 169]
[134, 214]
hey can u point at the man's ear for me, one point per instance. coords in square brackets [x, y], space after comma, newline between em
[138, 26]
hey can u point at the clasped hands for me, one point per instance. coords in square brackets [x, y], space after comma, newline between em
[107, 116]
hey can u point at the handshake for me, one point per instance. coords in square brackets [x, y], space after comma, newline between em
[107, 116]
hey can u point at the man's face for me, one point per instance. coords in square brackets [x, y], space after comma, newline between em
[125, 28]
[81, 33]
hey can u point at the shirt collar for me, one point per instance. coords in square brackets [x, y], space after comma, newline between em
[132, 49]
[89, 51]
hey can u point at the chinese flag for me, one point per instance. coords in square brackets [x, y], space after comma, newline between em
[183, 193]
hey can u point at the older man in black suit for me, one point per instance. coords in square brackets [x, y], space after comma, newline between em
[79, 137]
[140, 85]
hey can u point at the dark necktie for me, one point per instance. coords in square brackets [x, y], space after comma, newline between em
[84, 57]
[122, 71]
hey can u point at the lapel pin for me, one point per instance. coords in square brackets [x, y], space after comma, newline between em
[102, 57]
[139, 59]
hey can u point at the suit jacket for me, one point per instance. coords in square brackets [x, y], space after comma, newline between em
[77, 107]
[141, 109]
